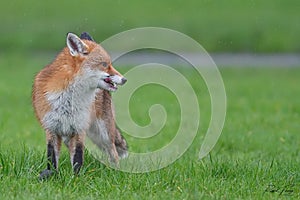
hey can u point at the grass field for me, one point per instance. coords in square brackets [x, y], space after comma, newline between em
[230, 26]
[257, 156]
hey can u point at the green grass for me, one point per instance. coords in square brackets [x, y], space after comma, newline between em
[230, 26]
[257, 156]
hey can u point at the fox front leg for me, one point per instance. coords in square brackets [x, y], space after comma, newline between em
[53, 150]
[76, 149]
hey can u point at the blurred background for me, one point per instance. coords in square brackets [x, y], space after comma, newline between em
[257, 155]
[33, 32]
[232, 31]
[232, 26]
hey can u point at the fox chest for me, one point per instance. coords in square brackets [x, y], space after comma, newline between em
[69, 113]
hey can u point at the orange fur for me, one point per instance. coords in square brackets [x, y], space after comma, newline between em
[51, 88]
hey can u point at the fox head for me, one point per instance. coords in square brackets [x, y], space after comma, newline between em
[93, 58]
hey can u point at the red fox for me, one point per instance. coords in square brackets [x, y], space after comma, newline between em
[71, 99]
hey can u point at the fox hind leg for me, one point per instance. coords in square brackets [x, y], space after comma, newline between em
[121, 144]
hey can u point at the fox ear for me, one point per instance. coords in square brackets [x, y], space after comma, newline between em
[86, 36]
[75, 45]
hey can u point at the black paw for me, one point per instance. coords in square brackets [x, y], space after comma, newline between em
[45, 174]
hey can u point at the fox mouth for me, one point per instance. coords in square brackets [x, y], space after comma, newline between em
[112, 85]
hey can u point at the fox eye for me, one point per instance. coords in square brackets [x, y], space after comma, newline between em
[104, 64]
[85, 53]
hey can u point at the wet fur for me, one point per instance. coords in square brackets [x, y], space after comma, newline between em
[69, 104]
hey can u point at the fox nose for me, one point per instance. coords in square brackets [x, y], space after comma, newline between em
[124, 80]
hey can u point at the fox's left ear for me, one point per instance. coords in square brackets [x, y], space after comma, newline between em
[76, 45]
[86, 36]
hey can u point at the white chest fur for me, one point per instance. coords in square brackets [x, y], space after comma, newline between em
[71, 109]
